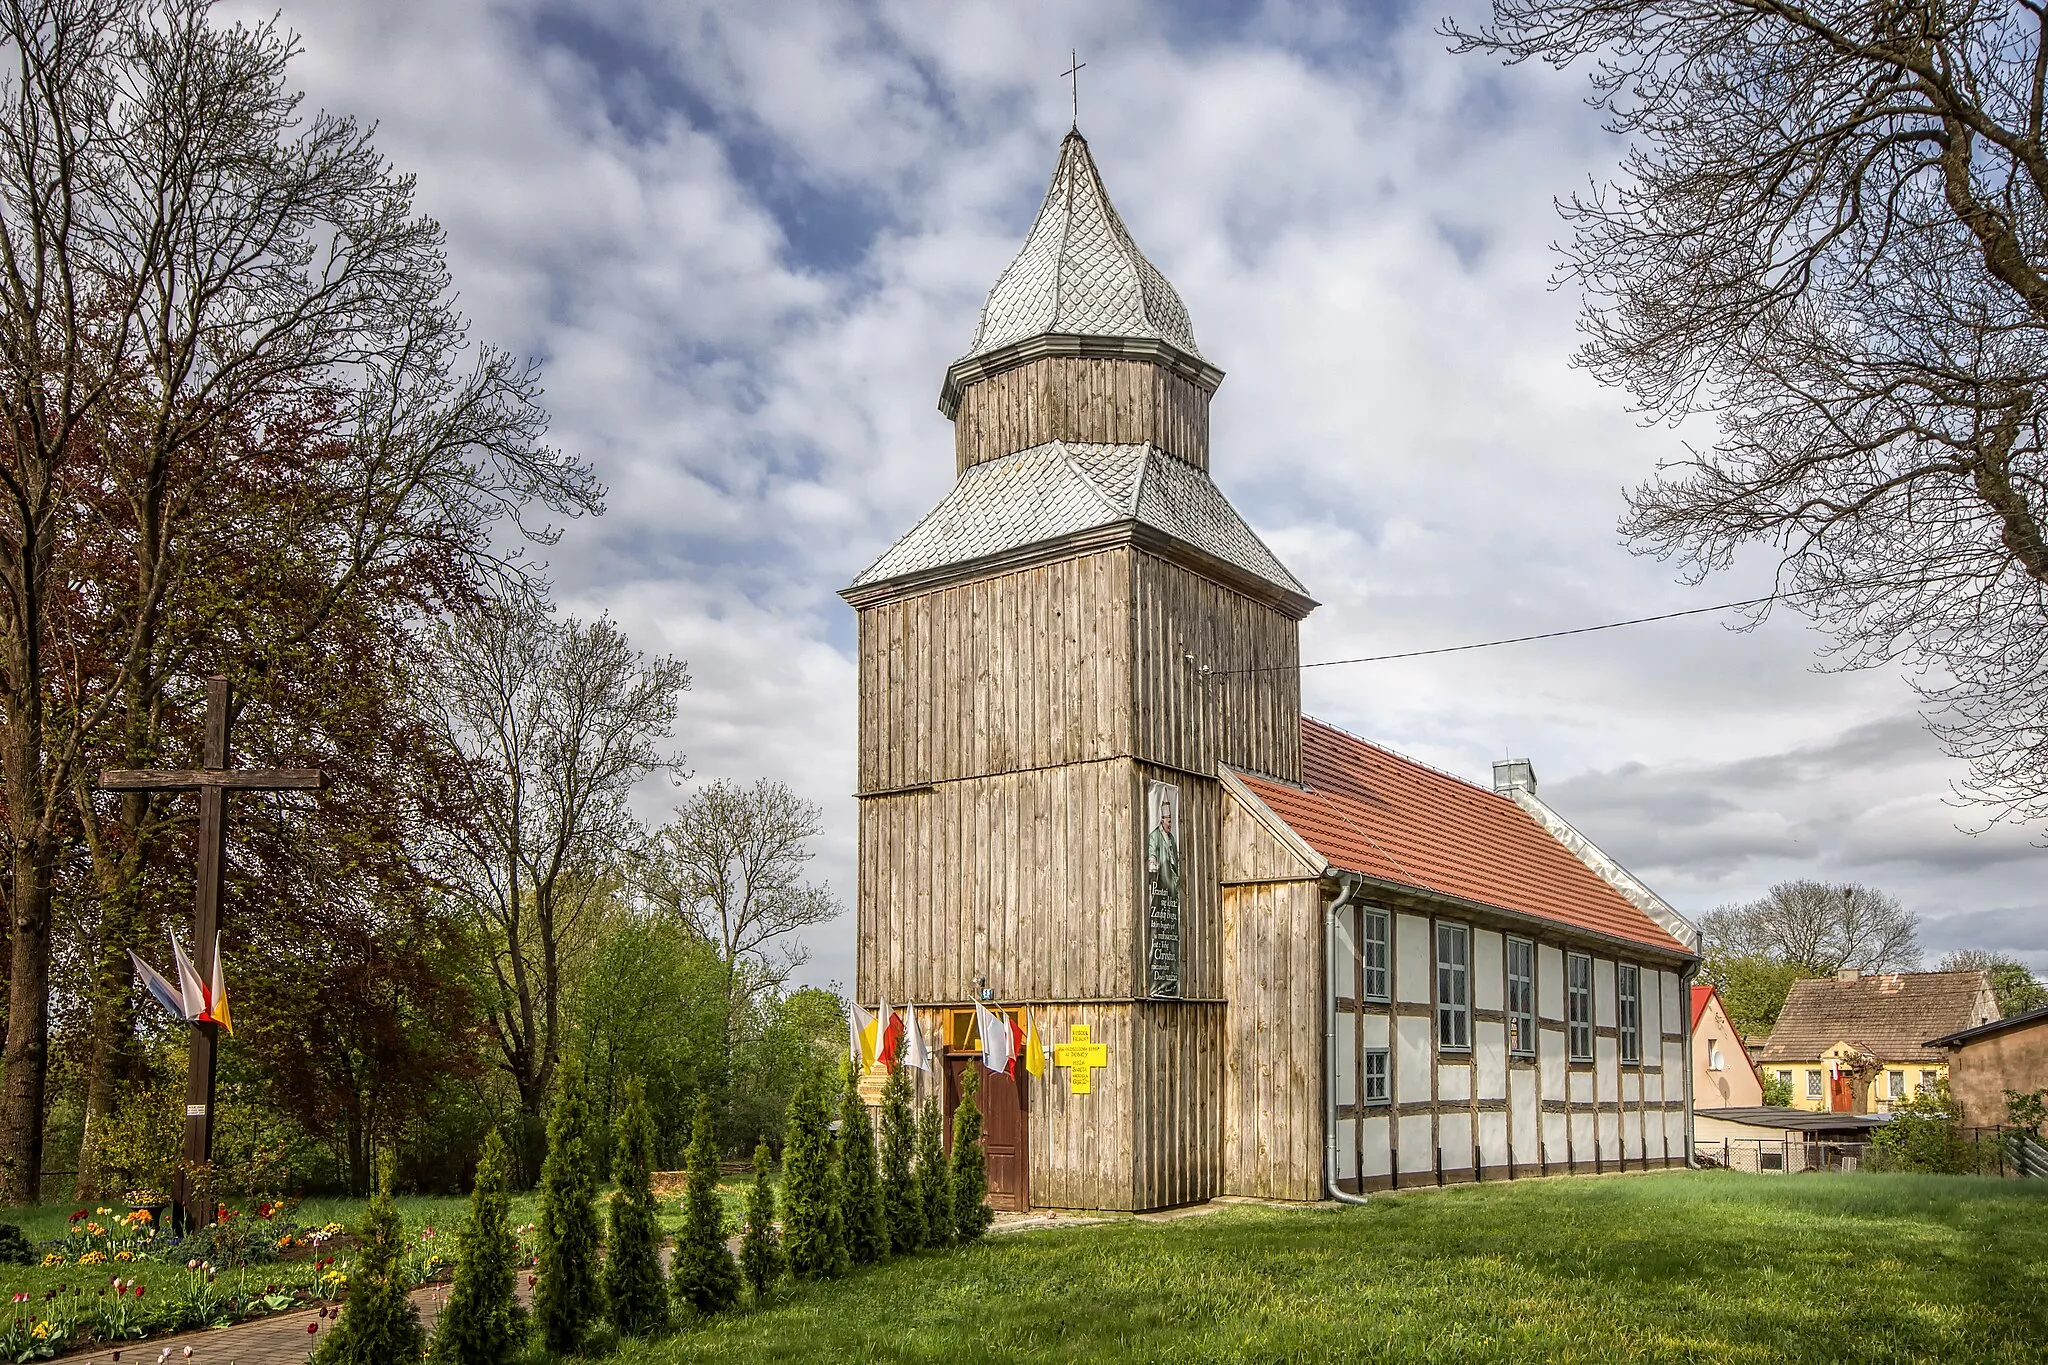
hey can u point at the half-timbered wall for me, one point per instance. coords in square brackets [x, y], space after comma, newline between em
[1077, 398]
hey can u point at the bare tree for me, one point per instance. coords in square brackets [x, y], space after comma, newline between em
[1831, 235]
[1819, 928]
[554, 723]
[730, 865]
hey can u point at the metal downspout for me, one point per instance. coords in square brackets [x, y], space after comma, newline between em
[1345, 886]
[1685, 1001]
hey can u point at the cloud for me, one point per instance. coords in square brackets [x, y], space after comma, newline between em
[747, 240]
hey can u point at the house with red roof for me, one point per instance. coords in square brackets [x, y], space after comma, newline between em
[1239, 951]
[1724, 1075]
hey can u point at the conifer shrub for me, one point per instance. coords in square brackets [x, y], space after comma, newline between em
[902, 1203]
[811, 1228]
[860, 1189]
[482, 1323]
[934, 1178]
[379, 1324]
[705, 1276]
[568, 1297]
[761, 1258]
[971, 1213]
[633, 1287]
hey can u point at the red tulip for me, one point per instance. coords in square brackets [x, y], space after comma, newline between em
[139, 1288]
[311, 1328]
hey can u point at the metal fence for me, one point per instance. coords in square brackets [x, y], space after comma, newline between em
[2006, 1152]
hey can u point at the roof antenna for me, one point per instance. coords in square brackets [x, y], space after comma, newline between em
[1073, 74]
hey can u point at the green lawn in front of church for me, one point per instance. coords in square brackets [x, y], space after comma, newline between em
[1678, 1266]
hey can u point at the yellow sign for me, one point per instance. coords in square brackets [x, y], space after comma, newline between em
[1080, 1057]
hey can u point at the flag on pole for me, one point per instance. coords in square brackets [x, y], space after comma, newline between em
[998, 1044]
[198, 1001]
[1036, 1055]
[892, 1033]
[220, 992]
[152, 981]
[860, 1031]
[915, 1053]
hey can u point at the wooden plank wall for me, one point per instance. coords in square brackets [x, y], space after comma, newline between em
[1246, 851]
[1184, 720]
[1081, 1144]
[1024, 670]
[1272, 1068]
[1030, 878]
[1076, 398]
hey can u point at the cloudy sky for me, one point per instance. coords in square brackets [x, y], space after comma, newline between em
[747, 239]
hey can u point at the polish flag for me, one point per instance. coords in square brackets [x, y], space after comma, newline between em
[892, 1034]
[915, 1054]
[198, 995]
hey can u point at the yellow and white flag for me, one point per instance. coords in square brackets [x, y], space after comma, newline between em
[1036, 1053]
[860, 1034]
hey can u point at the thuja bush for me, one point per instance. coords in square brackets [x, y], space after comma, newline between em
[761, 1258]
[860, 1197]
[901, 1201]
[379, 1324]
[934, 1179]
[705, 1275]
[483, 1323]
[632, 1269]
[971, 1213]
[811, 1227]
[566, 1301]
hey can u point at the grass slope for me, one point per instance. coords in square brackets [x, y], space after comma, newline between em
[1681, 1266]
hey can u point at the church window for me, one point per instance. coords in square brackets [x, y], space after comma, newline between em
[1376, 944]
[1453, 973]
[1629, 987]
[1375, 1075]
[1579, 1005]
[1521, 996]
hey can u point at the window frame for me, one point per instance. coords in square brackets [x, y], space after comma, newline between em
[1814, 1089]
[1895, 1084]
[1385, 1077]
[1457, 1011]
[1628, 1011]
[1522, 1021]
[1380, 945]
[1578, 1007]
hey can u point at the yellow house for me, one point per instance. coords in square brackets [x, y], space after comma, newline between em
[1856, 1043]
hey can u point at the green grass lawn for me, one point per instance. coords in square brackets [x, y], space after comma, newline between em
[1707, 1266]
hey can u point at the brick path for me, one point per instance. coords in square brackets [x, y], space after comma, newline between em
[280, 1339]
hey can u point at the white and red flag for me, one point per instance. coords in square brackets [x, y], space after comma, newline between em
[892, 1034]
[998, 1041]
[915, 1053]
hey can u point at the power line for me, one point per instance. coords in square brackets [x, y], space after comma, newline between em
[1511, 640]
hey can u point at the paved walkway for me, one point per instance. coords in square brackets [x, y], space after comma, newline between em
[280, 1339]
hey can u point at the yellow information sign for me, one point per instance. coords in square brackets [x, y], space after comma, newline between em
[1080, 1057]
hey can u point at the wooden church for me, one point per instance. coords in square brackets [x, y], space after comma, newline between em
[1273, 959]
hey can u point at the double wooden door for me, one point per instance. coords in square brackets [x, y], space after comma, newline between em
[1004, 1131]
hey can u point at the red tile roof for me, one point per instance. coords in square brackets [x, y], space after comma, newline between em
[1366, 809]
[1700, 996]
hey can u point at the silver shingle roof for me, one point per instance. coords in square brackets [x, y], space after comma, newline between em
[1062, 487]
[1080, 273]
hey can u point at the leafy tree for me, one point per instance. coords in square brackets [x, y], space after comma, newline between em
[705, 1275]
[1818, 928]
[860, 1191]
[1826, 236]
[2012, 981]
[1925, 1134]
[971, 1213]
[1777, 1091]
[902, 1202]
[482, 1323]
[812, 1231]
[379, 1325]
[632, 1270]
[934, 1178]
[1753, 989]
[568, 1297]
[761, 1258]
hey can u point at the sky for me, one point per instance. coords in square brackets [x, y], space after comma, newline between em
[746, 239]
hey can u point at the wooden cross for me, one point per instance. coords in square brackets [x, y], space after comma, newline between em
[213, 781]
[1080, 1056]
[1073, 74]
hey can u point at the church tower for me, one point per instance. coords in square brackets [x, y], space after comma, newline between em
[1055, 664]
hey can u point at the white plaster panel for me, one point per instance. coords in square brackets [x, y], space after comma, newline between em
[1631, 1088]
[1632, 1134]
[1674, 1061]
[1675, 1010]
[1414, 972]
[1344, 1034]
[1550, 1058]
[1343, 962]
[1674, 1133]
[1610, 1136]
[1607, 1066]
[1524, 1114]
[1549, 982]
[1454, 1084]
[1493, 1139]
[1653, 1086]
[1376, 1030]
[1652, 1010]
[1455, 1137]
[1418, 1150]
[1347, 1149]
[1490, 1060]
[1553, 1139]
[1582, 1087]
[1653, 1134]
[1412, 1066]
[1376, 1135]
[1489, 972]
[1582, 1138]
[1603, 993]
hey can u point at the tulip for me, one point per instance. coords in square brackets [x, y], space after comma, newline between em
[188, 1353]
[311, 1328]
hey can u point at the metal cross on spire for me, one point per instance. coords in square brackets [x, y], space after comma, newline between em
[1073, 74]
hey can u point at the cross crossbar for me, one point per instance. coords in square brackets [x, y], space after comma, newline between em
[231, 779]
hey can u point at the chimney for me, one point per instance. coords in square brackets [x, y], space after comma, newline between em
[1512, 775]
[1847, 974]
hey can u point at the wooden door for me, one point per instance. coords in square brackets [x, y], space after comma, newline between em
[1004, 1132]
